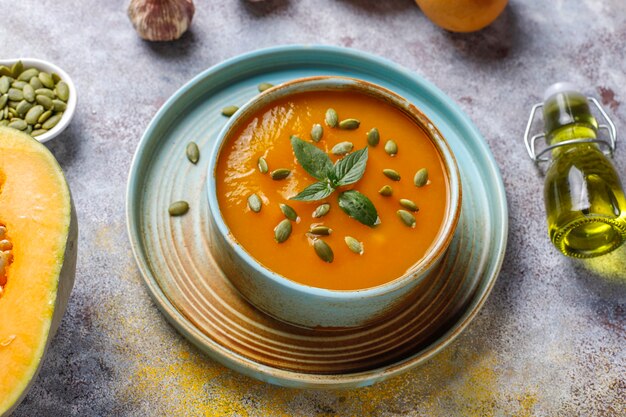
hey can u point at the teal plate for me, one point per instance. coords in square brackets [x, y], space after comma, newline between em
[185, 282]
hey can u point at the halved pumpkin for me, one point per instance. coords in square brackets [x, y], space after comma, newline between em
[37, 259]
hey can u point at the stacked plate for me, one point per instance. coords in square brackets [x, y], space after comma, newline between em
[185, 282]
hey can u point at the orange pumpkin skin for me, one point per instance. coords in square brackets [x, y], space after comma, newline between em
[37, 211]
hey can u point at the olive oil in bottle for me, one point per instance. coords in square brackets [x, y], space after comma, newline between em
[584, 198]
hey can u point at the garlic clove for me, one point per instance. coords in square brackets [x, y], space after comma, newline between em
[161, 20]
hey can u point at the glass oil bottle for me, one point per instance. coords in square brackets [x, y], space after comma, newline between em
[584, 198]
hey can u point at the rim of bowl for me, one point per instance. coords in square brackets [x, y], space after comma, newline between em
[68, 114]
[329, 83]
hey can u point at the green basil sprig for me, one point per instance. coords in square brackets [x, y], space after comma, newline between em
[345, 171]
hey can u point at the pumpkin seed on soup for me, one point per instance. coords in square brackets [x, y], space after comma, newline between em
[321, 230]
[408, 204]
[421, 177]
[289, 212]
[282, 231]
[342, 148]
[392, 174]
[254, 203]
[386, 190]
[321, 210]
[373, 137]
[391, 147]
[323, 250]
[349, 124]
[354, 245]
[406, 217]
[332, 119]
[317, 131]
[280, 174]
[262, 165]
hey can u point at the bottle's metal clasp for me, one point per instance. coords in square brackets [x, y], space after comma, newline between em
[609, 127]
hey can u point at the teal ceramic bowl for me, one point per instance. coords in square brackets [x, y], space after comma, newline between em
[309, 306]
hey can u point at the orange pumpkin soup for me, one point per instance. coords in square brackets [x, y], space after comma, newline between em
[390, 248]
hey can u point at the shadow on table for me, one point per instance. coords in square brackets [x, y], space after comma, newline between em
[264, 7]
[378, 7]
[495, 42]
[174, 50]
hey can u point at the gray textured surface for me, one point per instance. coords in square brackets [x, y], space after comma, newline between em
[551, 339]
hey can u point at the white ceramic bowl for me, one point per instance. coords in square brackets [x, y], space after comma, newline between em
[71, 103]
[309, 306]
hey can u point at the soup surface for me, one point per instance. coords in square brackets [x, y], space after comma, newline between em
[390, 248]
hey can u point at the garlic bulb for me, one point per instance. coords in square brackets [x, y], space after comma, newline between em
[161, 20]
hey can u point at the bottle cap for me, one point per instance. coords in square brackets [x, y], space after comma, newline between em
[560, 87]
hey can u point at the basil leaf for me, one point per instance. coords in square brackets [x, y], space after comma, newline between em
[359, 207]
[314, 161]
[350, 168]
[314, 192]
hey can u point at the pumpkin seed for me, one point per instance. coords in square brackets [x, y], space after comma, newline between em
[58, 105]
[354, 245]
[255, 203]
[38, 132]
[264, 86]
[192, 152]
[321, 230]
[178, 208]
[324, 251]
[332, 118]
[13, 104]
[28, 74]
[23, 107]
[36, 83]
[44, 101]
[280, 174]
[18, 124]
[15, 94]
[63, 90]
[321, 210]
[29, 93]
[3, 100]
[408, 204]
[229, 110]
[342, 148]
[391, 147]
[392, 174]
[289, 212]
[6, 71]
[45, 116]
[52, 121]
[421, 177]
[349, 124]
[373, 137]
[55, 77]
[317, 132]
[46, 79]
[18, 84]
[262, 164]
[33, 114]
[45, 92]
[17, 69]
[386, 190]
[282, 231]
[406, 217]
[4, 84]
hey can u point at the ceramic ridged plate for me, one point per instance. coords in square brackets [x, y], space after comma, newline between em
[188, 286]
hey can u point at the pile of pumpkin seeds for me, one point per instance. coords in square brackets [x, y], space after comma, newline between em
[31, 100]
